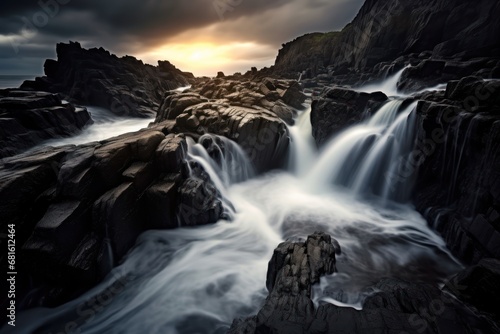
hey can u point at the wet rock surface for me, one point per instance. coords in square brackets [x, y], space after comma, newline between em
[457, 162]
[338, 108]
[29, 117]
[78, 210]
[252, 113]
[395, 307]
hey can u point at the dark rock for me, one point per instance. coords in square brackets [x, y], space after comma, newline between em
[479, 285]
[293, 96]
[474, 93]
[338, 108]
[115, 216]
[249, 119]
[78, 210]
[125, 86]
[456, 162]
[428, 73]
[395, 306]
[293, 269]
[27, 118]
[171, 153]
[161, 203]
[200, 202]
[174, 104]
[386, 30]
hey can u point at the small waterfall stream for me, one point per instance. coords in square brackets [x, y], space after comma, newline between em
[197, 280]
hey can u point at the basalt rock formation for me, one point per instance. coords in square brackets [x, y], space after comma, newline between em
[395, 307]
[78, 210]
[30, 117]
[253, 114]
[457, 163]
[126, 86]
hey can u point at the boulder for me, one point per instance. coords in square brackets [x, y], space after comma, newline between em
[199, 200]
[292, 271]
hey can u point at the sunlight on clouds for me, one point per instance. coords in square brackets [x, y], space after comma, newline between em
[209, 58]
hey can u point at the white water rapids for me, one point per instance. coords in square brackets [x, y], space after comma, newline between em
[197, 280]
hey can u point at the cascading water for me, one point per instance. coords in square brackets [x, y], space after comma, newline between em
[303, 149]
[198, 280]
[389, 86]
[364, 158]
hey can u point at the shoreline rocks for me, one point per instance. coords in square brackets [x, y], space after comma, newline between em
[395, 306]
[78, 210]
[29, 117]
[125, 86]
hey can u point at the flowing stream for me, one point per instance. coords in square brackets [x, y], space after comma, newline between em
[197, 280]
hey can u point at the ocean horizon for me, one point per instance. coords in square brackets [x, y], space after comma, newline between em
[13, 81]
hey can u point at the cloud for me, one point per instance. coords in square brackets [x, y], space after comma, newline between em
[148, 27]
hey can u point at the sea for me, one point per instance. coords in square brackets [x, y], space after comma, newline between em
[13, 81]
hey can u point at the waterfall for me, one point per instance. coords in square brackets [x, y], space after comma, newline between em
[303, 151]
[361, 156]
[223, 159]
[197, 280]
[388, 86]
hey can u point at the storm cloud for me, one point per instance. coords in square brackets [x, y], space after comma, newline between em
[235, 32]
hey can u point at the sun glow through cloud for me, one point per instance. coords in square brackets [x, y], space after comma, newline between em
[203, 58]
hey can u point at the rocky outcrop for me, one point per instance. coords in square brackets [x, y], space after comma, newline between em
[29, 117]
[385, 30]
[395, 306]
[78, 210]
[337, 108]
[431, 72]
[307, 55]
[253, 114]
[457, 163]
[126, 86]
[292, 271]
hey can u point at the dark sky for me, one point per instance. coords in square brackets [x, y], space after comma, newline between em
[202, 36]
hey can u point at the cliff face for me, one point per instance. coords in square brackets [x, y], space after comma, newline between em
[306, 53]
[457, 163]
[385, 30]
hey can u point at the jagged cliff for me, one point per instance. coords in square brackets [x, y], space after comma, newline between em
[125, 86]
[386, 30]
